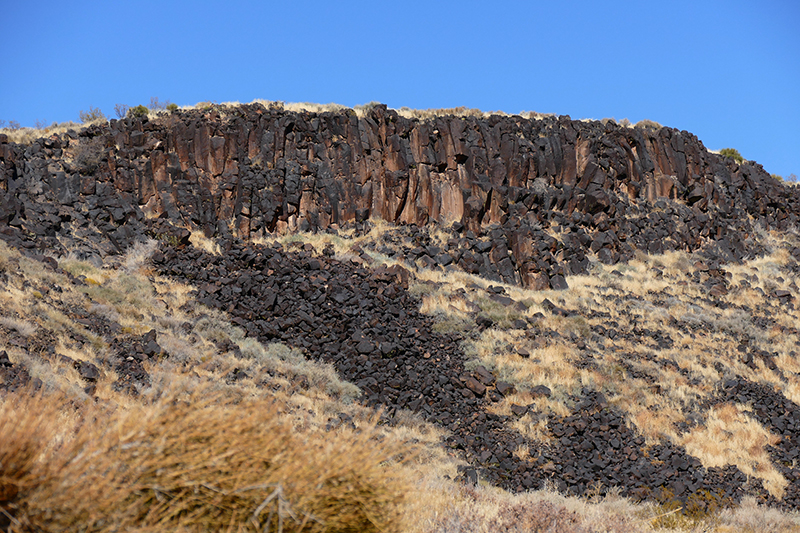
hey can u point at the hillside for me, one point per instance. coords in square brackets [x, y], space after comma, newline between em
[519, 302]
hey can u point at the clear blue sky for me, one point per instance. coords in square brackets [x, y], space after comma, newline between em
[727, 71]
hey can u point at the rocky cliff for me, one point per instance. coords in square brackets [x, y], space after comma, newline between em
[526, 199]
[650, 368]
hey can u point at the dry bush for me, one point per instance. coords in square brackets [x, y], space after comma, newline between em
[423, 114]
[157, 105]
[26, 424]
[137, 256]
[24, 328]
[193, 461]
[542, 516]
[121, 110]
[88, 156]
[648, 124]
[93, 115]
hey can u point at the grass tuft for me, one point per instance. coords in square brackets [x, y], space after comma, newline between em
[190, 459]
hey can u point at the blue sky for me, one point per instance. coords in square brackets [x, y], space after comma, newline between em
[727, 71]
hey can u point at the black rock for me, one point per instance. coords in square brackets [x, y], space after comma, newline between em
[558, 283]
[541, 390]
[519, 410]
[88, 371]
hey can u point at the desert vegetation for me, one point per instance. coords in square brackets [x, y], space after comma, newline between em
[189, 458]
[733, 153]
[198, 450]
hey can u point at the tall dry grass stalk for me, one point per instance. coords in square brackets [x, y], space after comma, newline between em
[190, 461]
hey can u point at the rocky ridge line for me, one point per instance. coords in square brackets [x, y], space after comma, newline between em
[247, 171]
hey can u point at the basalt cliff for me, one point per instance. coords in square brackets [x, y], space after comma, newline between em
[251, 171]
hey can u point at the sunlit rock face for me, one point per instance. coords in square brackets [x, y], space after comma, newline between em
[544, 192]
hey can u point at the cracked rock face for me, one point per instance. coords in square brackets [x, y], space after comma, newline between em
[511, 181]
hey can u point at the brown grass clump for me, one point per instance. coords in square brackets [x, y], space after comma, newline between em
[192, 461]
[24, 432]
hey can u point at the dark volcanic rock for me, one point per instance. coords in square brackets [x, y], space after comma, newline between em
[610, 190]
[596, 446]
[88, 371]
[781, 417]
[424, 372]
[368, 326]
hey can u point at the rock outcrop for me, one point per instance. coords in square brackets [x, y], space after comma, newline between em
[249, 170]
[524, 201]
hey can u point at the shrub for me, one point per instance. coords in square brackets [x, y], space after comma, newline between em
[138, 111]
[121, 110]
[540, 516]
[172, 107]
[648, 125]
[158, 105]
[190, 461]
[699, 507]
[732, 153]
[88, 156]
[364, 109]
[93, 114]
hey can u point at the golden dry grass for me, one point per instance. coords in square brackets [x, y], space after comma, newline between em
[658, 385]
[131, 295]
[193, 461]
[363, 109]
[730, 436]
[28, 135]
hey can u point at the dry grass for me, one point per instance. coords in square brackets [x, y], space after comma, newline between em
[362, 110]
[673, 305]
[730, 436]
[750, 517]
[485, 509]
[193, 461]
[28, 135]
[552, 365]
[138, 302]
